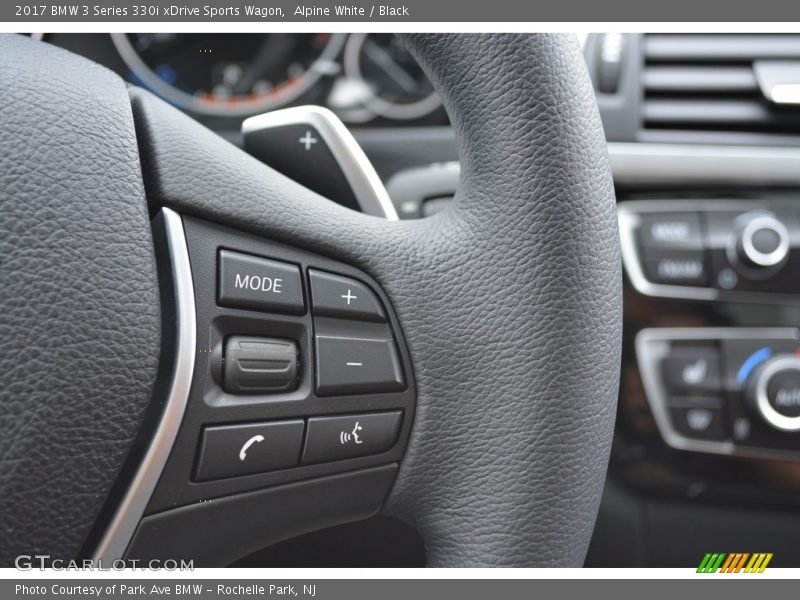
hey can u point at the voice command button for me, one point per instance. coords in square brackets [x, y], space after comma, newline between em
[340, 437]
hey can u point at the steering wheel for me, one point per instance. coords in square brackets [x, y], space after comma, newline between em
[505, 310]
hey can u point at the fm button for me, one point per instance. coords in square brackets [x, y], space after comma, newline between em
[259, 284]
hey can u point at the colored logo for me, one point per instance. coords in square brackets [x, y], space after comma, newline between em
[738, 562]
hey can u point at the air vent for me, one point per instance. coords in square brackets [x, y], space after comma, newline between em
[714, 83]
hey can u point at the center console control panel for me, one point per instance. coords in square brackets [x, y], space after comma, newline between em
[724, 390]
[711, 249]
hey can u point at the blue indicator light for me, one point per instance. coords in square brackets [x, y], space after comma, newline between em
[752, 361]
[166, 73]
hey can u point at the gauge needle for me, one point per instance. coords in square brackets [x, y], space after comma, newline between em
[273, 50]
[382, 58]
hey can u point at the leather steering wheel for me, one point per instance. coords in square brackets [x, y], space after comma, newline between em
[509, 301]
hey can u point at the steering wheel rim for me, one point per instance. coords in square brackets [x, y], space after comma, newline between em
[510, 300]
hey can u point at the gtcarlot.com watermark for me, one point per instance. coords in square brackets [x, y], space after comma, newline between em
[41, 562]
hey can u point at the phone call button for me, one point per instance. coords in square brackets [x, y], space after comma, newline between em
[231, 450]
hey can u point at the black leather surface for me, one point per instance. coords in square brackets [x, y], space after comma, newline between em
[510, 300]
[79, 313]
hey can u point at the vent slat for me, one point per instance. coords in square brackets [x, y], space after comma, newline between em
[720, 47]
[712, 114]
[700, 79]
[695, 111]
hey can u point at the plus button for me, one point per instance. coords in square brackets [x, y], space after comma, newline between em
[307, 140]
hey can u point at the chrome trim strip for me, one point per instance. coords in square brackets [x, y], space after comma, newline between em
[648, 163]
[123, 525]
[367, 185]
[652, 345]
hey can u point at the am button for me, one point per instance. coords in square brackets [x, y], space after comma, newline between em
[258, 283]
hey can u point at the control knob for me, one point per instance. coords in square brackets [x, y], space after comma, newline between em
[773, 392]
[762, 242]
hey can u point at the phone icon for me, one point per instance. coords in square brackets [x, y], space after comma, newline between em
[247, 444]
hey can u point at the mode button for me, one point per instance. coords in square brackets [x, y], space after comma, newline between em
[259, 284]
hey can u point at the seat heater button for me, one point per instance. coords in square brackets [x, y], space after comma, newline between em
[691, 370]
[259, 284]
[337, 438]
[252, 448]
[337, 296]
[357, 366]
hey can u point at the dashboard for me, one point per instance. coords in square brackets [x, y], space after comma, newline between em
[703, 134]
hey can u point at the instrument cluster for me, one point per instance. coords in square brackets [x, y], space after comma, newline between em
[364, 78]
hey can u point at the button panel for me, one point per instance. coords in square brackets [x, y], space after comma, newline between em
[257, 365]
[699, 382]
[295, 369]
[711, 249]
[350, 436]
